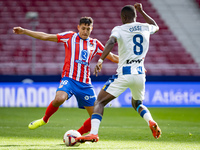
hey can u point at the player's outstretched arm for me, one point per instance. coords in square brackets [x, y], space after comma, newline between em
[35, 34]
[148, 19]
[108, 47]
[106, 54]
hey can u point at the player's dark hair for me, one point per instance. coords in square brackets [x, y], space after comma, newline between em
[86, 20]
[128, 11]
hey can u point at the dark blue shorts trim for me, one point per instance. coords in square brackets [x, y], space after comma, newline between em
[110, 80]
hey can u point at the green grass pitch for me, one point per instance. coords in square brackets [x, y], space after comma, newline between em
[121, 128]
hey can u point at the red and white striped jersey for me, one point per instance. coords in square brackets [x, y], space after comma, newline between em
[78, 54]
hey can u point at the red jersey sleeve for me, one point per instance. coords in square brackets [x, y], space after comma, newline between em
[100, 48]
[65, 36]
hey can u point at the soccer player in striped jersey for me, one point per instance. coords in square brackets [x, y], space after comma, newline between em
[79, 51]
[133, 43]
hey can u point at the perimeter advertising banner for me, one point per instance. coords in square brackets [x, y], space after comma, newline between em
[158, 94]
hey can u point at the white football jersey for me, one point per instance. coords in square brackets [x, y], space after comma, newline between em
[133, 44]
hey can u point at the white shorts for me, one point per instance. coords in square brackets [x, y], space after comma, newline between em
[118, 84]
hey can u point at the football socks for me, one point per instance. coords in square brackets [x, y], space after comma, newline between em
[95, 122]
[85, 127]
[49, 112]
[144, 113]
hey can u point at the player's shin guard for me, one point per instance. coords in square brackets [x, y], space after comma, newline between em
[95, 123]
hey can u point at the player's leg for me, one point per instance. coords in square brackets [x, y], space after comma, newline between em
[85, 99]
[62, 94]
[86, 127]
[142, 110]
[146, 115]
[102, 100]
[60, 97]
[138, 91]
[112, 89]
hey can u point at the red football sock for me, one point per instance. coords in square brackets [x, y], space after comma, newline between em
[49, 112]
[86, 127]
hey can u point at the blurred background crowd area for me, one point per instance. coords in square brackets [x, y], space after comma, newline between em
[173, 51]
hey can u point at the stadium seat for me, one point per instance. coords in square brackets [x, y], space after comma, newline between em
[164, 47]
[198, 2]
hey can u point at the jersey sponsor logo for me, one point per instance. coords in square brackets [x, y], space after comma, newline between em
[88, 97]
[135, 28]
[82, 62]
[133, 61]
[84, 54]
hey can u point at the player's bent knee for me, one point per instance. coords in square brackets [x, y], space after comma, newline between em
[96, 103]
[101, 103]
[59, 99]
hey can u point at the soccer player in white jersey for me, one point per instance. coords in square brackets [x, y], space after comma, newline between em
[133, 43]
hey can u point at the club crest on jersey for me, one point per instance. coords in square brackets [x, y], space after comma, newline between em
[139, 70]
[91, 44]
[92, 47]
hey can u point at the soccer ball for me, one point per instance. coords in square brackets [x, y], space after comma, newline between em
[69, 138]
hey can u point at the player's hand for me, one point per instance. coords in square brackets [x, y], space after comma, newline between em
[18, 30]
[138, 7]
[97, 68]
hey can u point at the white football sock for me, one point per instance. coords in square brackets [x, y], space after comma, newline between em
[95, 123]
[147, 116]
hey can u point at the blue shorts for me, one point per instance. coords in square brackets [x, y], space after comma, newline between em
[83, 92]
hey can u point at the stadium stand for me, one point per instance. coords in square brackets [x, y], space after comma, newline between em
[166, 55]
[198, 1]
